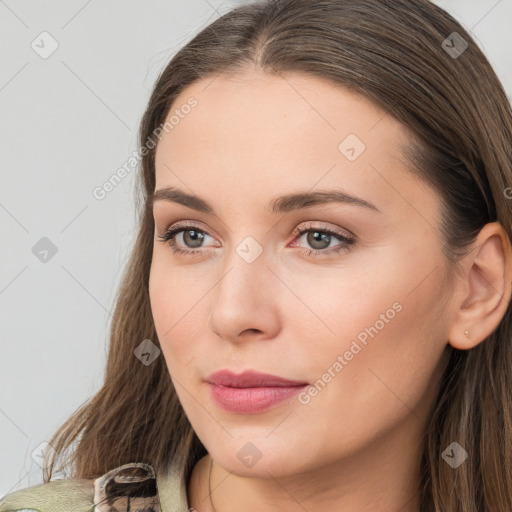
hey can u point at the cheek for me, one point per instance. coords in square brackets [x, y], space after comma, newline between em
[384, 315]
[380, 363]
[177, 302]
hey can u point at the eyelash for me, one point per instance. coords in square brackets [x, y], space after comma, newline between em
[170, 234]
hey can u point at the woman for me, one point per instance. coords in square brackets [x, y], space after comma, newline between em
[316, 314]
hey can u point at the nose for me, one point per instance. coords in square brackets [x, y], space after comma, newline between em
[245, 301]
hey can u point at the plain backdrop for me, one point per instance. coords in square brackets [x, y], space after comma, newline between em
[68, 121]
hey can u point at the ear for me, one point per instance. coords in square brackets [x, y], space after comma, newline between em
[484, 289]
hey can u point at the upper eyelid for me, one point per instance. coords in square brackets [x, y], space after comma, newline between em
[183, 225]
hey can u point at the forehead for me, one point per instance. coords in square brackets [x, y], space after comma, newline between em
[282, 111]
[261, 134]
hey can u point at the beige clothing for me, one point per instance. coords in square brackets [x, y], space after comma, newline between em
[132, 487]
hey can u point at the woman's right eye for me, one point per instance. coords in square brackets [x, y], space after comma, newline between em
[190, 235]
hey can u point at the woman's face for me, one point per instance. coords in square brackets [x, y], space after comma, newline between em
[363, 322]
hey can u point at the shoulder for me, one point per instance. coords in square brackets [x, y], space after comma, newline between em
[131, 487]
[59, 495]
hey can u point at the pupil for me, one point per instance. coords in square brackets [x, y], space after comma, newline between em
[317, 237]
[197, 236]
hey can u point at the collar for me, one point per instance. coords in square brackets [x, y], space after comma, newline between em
[162, 492]
[172, 491]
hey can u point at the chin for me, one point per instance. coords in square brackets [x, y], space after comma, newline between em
[250, 461]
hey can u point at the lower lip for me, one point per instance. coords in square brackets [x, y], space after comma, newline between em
[252, 400]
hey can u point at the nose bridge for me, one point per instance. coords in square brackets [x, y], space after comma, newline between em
[242, 297]
[245, 269]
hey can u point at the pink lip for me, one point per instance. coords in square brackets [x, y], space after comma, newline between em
[251, 391]
[250, 379]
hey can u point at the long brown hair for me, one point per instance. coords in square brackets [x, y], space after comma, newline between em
[400, 54]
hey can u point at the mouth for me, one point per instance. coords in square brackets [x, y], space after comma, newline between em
[250, 379]
[251, 391]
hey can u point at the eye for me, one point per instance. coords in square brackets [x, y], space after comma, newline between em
[319, 237]
[191, 234]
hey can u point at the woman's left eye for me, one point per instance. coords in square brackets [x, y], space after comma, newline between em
[320, 237]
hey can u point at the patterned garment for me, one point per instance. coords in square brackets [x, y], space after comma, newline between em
[128, 488]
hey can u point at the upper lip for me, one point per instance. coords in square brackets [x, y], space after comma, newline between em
[250, 379]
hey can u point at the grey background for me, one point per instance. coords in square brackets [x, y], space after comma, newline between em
[67, 123]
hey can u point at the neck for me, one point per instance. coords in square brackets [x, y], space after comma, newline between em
[383, 476]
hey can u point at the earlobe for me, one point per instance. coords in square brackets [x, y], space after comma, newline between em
[487, 284]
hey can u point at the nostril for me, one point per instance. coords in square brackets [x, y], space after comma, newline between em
[257, 331]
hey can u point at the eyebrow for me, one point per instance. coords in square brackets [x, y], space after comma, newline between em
[286, 203]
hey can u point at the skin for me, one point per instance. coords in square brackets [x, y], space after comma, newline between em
[357, 444]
